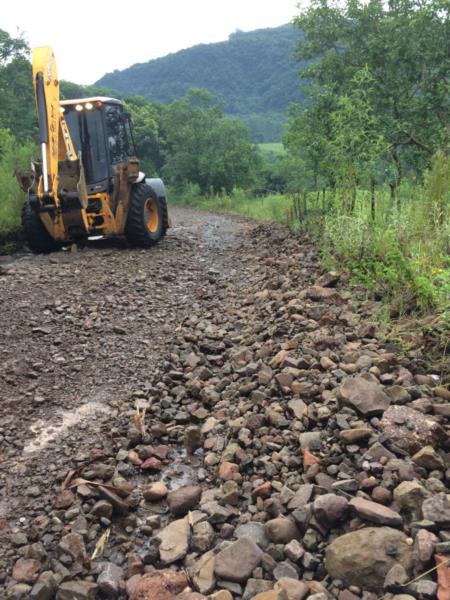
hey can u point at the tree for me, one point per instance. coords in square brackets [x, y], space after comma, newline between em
[356, 146]
[11, 48]
[202, 146]
[146, 134]
[405, 47]
[308, 133]
[16, 88]
[228, 160]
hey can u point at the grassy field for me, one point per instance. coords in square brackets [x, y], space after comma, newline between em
[271, 151]
[274, 207]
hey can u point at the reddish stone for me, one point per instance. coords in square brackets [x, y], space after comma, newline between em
[161, 452]
[26, 570]
[160, 585]
[262, 491]
[382, 495]
[309, 459]
[228, 471]
[152, 464]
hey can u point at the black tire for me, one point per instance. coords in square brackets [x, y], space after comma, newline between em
[147, 219]
[37, 237]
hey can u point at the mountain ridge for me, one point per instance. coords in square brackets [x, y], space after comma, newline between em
[253, 73]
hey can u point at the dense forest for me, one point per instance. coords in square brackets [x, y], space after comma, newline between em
[254, 74]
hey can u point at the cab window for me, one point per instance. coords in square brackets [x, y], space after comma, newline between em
[116, 135]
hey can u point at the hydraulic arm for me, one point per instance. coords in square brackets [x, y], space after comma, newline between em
[54, 137]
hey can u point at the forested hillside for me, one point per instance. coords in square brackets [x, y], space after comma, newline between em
[253, 73]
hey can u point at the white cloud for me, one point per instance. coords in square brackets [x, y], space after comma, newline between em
[92, 37]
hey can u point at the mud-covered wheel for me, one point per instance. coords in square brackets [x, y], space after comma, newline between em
[147, 217]
[37, 237]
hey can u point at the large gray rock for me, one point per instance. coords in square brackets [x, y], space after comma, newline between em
[237, 561]
[44, 588]
[437, 509]
[365, 557]
[410, 429]
[364, 395]
[301, 497]
[77, 590]
[255, 531]
[111, 580]
[377, 513]
[174, 541]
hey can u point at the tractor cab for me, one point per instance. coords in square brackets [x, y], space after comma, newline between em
[101, 134]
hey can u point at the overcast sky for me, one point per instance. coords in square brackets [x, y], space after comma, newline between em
[92, 37]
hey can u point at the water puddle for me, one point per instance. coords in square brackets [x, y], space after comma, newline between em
[181, 471]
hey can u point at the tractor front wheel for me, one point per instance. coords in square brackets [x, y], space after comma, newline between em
[38, 239]
[147, 216]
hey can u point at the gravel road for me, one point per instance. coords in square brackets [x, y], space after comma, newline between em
[223, 376]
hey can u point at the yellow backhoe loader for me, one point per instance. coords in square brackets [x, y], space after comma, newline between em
[88, 182]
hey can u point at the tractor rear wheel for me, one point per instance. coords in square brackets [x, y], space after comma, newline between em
[147, 217]
[38, 239]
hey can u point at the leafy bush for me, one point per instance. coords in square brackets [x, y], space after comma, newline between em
[12, 156]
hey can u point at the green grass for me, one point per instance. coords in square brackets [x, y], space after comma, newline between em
[402, 255]
[274, 207]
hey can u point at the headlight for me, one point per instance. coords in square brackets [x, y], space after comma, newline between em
[79, 107]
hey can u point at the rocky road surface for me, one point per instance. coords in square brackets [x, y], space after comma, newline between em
[213, 417]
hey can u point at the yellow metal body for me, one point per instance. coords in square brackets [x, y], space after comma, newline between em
[44, 62]
[60, 150]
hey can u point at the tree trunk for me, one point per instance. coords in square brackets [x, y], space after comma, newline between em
[372, 199]
[398, 165]
[392, 192]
